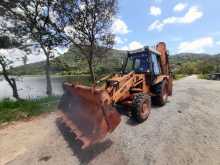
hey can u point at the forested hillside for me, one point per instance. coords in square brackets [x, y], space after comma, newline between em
[189, 63]
[70, 63]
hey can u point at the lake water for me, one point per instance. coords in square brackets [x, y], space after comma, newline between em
[35, 86]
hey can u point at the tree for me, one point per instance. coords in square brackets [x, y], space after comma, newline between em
[33, 20]
[87, 24]
[25, 59]
[6, 43]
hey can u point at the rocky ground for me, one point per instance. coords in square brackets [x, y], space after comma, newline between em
[185, 131]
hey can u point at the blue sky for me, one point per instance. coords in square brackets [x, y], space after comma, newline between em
[185, 25]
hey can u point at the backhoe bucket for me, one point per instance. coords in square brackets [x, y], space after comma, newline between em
[88, 112]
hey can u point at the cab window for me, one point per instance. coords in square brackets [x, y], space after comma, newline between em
[156, 65]
[140, 64]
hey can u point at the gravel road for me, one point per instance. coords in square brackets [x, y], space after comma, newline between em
[186, 131]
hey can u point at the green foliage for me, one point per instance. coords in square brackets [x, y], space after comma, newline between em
[204, 67]
[179, 76]
[82, 79]
[203, 76]
[188, 68]
[15, 110]
[188, 64]
[71, 64]
[29, 69]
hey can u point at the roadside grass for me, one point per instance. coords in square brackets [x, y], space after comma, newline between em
[203, 76]
[179, 76]
[16, 110]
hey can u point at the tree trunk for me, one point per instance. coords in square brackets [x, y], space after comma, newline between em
[47, 71]
[11, 82]
[91, 70]
[48, 78]
[15, 89]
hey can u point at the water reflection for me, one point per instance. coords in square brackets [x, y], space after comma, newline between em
[35, 86]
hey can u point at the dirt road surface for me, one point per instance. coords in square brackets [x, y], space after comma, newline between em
[186, 131]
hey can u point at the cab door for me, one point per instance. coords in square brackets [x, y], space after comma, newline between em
[155, 66]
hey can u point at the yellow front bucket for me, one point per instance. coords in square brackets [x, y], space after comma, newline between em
[88, 112]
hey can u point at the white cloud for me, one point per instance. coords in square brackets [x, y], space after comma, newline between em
[135, 45]
[82, 6]
[156, 25]
[179, 7]
[15, 55]
[119, 27]
[132, 46]
[193, 14]
[118, 40]
[155, 11]
[196, 46]
[123, 48]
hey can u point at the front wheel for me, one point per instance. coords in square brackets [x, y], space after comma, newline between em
[162, 94]
[141, 107]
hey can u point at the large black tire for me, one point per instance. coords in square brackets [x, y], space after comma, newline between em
[161, 91]
[141, 107]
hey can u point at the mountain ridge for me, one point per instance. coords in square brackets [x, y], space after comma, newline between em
[71, 63]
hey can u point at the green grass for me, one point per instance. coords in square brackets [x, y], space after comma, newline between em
[179, 76]
[16, 110]
[203, 76]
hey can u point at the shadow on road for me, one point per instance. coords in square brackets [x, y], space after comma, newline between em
[131, 121]
[84, 156]
[125, 111]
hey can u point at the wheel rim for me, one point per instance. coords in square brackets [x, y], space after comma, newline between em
[145, 110]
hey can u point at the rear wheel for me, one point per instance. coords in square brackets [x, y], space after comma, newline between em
[141, 107]
[162, 95]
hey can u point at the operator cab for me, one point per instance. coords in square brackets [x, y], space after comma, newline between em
[143, 61]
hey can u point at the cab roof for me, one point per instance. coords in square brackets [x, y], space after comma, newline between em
[144, 49]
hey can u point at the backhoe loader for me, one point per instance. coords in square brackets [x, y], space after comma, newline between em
[90, 112]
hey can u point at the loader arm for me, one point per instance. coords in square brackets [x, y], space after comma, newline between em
[121, 91]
